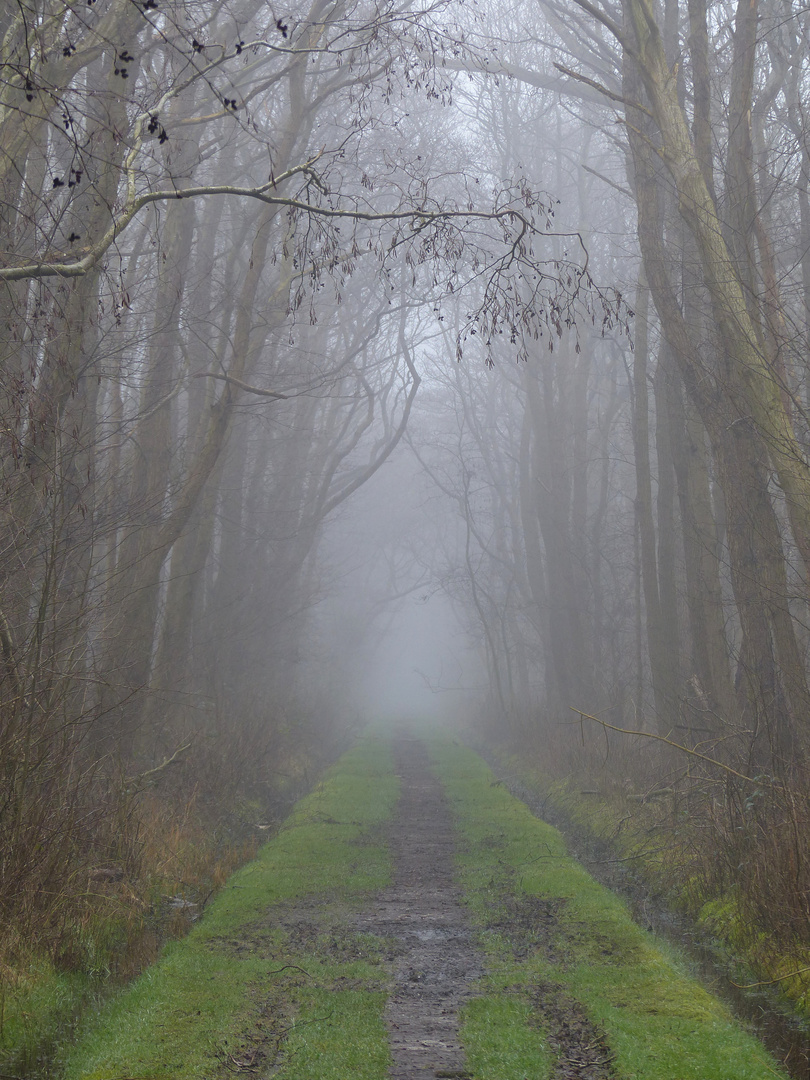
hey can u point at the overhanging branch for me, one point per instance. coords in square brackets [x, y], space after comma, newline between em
[420, 219]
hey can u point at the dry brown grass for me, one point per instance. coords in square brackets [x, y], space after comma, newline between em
[102, 866]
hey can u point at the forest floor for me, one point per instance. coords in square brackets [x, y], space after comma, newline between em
[415, 920]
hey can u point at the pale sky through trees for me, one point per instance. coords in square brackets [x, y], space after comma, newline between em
[419, 670]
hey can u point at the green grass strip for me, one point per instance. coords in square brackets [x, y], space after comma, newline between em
[499, 1039]
[660, 1024]
[193, 1010]
[350, 1041]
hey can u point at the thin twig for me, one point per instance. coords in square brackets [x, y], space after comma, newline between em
[277, 971]
[242, 385]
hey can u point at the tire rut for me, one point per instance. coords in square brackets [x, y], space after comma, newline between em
[423, 939]
[421, 913]
[530, 925]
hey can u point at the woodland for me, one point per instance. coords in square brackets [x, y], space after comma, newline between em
[528, 284]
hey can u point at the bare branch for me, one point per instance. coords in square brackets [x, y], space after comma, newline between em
[159, 768]
[601, 89]
[242, 385]
[607, 22]
[669, 742]
[420, 219]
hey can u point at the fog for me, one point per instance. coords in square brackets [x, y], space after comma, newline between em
[417, 670]
[358, 360]
[386, 562]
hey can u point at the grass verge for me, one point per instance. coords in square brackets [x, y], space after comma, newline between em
[550, 930]
[260, 971]
[679, 864]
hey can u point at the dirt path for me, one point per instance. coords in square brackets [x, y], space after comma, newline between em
[290, 969]
[426, 943]
[421, 913]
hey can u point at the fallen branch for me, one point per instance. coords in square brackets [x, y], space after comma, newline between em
[159, 768]
[670, 742]
[770, 982]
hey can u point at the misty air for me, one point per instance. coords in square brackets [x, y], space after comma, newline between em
[404, 539]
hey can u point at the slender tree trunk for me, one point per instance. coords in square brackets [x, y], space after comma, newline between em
[704, 598]
[661, 660]
[668, 525]
[535, 563]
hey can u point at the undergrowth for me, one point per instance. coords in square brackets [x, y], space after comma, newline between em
[154, 851]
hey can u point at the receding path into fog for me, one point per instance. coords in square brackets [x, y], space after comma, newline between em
[437, 960]
[345, 950]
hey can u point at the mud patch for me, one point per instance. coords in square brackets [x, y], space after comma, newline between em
[530, 925]
[581, 1047]
[260, 1049]
[416, 930]
[536, 926]
[290, 940]
[587, 945]
[421, 918]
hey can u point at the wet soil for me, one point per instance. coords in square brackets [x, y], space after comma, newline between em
[581, 1047]
[437, 960]
[530, 926]
[421, 913]
[419, 932]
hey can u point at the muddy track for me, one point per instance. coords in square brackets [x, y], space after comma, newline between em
[422, 915]
[531, 926]
[420, 930]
